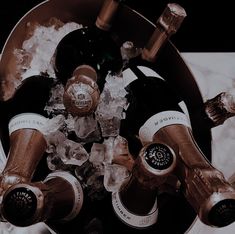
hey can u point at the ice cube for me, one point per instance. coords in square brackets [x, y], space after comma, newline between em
[70, 122]
[72, 153]
[86, 129]
[112, 102]
[54, 163]
[110, 126]
[115, 175]
[92, 179]
[55, 104]
[97, 154]
[121, 154]
[120, 145]
[53, 125]
[128, 51]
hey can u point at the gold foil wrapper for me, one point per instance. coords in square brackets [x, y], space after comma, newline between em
[172, 18]
[106, 15]
[167, 24]
[81, 94]
[220, 108]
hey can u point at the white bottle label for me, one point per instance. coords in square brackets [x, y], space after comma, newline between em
[77, 189]
[129, 76]
[131, 219]
[26, 120]
[3, 158]
[149, 72]
[160, 120]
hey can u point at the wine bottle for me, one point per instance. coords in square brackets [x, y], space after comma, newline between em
[92, 45]
[136, 202]
[58, 198]
[26, 115]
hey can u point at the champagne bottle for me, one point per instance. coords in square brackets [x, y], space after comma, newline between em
[136, 202]
[142, 85]
[26, 115]
[58, 198]
[92, 45]
[94, 48]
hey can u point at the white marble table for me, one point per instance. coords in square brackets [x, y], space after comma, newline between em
[214, 73]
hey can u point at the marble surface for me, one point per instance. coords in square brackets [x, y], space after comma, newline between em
[214, 73]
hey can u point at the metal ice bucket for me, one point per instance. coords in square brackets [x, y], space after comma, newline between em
[132, 26]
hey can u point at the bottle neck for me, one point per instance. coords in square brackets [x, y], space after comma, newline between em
[107, 14]
[27, 146]
[156, 161]
[180, 138]
[63, 196]
[167, 24]
[136, 197]
[135, 204]
[25, 113]
[153, 47]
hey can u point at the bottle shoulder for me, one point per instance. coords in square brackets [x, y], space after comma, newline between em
[90, 46]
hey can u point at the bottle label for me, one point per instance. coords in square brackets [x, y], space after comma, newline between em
[129, 76]
[160, 120]
[131, 219]
[78, 192]
[3, 158]
[27, 120]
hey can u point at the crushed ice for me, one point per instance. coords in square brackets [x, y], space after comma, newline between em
[37, 52]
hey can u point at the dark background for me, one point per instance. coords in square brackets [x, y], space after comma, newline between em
[208, 27]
